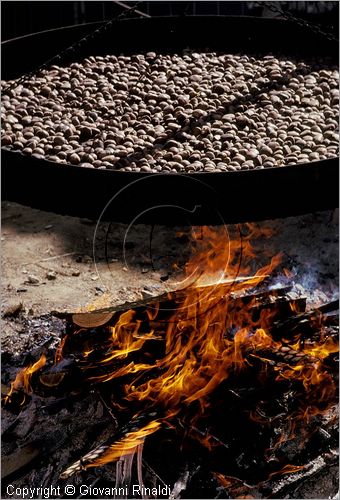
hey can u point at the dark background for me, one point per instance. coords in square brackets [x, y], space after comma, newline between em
[21, 18]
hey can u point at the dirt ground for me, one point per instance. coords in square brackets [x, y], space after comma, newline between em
[52, 262]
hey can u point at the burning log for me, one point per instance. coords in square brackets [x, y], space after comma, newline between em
[112, 366]
[124, 443]
[305, 321]
[100, 317]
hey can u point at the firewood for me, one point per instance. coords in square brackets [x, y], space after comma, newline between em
[284, 355]
[271, 300]
[91, 320]
[137, 423]
[83, 363]
[304, 321]
[231, 285]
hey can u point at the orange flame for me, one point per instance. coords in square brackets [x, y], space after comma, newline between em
[59, 351]
[287, 469]
[127, 445]
[23, 377]
[198, 354]
[199, 351]
[323, 350]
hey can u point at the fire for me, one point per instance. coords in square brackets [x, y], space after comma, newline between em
[59, 352]
[127, 445]
[123, 334]
[206, 340]
[218, 257]
[199, 355]
[200, 351]
[323, 350]
[23, 377]
[315, 380]
[121, 372]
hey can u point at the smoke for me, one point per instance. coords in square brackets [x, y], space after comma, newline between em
[308, 281]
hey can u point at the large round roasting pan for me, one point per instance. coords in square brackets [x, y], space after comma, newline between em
[202, 198]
